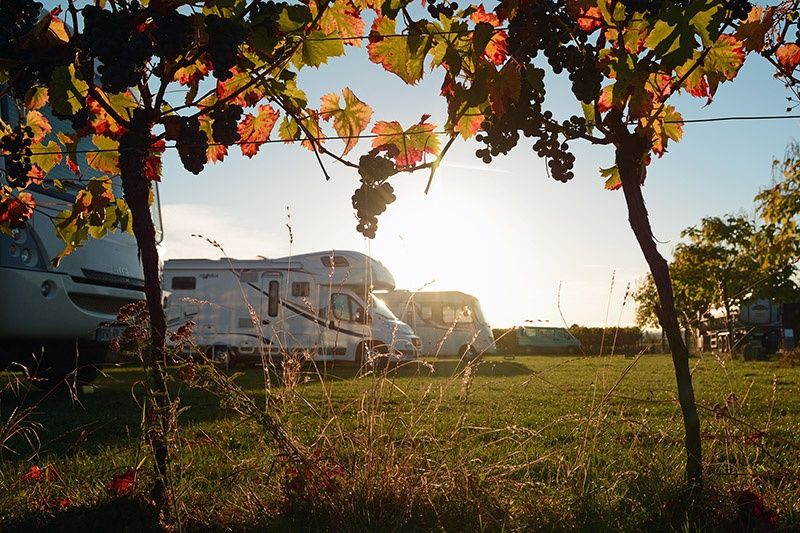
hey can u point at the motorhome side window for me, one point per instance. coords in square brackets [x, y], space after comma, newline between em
[185, 283]
[347, 309]
[338, 261]
[301, 288]
[452, 313]
[426, 311]
[341, 307]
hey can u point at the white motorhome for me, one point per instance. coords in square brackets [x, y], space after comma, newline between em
[447, 322]
[256, 310]
[50, 317]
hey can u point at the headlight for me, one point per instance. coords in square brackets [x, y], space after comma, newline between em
[20, 249]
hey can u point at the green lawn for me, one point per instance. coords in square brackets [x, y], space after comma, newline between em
[535, 442]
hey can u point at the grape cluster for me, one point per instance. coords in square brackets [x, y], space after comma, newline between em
[225, 35]
[445, 8]
[739, 8]
[369, 201]
[17, 18]
[374, 194]
[173, 34]
[115, 39]
[192, 145]
[16, 148]
[224, 126]
[27, 66]
[544, 27]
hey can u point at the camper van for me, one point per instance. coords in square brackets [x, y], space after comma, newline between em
[448, 322]
[259, 310]
[546, 339]
[51, 318]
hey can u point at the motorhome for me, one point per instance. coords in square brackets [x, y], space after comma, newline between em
[448, 322]
[51, 318]
[546, 339]
[259, 310]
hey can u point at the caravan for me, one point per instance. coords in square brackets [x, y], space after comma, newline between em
[448, 322]
[320, 304]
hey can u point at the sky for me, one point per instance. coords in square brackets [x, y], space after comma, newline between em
[505, 232]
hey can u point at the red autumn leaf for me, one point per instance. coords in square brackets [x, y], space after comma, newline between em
[34, 473]
[586, 13]
[193, 73]
[788, 56]
[406, 147]
[255, 130]
[15, 211]
[122, 484]
[496, 50]
[152, 165]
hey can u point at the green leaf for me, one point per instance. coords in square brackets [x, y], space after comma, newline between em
[404, 57]
[67, 91]
[288, 131]
[674, 37]
[49, 160]
[349, 121]
[611, 175]
[107, 159]
[316, 49]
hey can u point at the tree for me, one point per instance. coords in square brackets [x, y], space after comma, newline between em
[721, 265]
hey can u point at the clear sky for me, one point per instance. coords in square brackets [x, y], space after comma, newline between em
[504, 232]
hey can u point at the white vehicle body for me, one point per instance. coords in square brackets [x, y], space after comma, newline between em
[59, 308]
[319, 304]
[447, 322]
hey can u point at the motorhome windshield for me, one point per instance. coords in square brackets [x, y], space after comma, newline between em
[381, 308]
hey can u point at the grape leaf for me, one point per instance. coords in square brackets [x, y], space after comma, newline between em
[341, 19]
[107, 158]
[723, 61]
[666, 126]
[254, 130]
[349, 121]
[67, 91]
[316, 49]
[406, 147]
[70, 143]
[38, 124]
[613, 179]
[404, 57]
[753, 30]
[496, 49]
[47, 158]
[674, 35]
[788, 56]
[36, 98]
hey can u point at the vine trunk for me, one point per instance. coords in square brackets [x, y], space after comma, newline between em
[631, 153]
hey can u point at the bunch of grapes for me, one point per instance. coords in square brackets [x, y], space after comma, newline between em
[224, 126]
[369, 201]
[225, 35]
[739, 9]
[192, 145]
[16, 148]
[115, 39]
[173, 34]
[445, 8]
[17, 18]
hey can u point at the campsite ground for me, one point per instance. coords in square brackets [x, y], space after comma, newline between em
[533, 442]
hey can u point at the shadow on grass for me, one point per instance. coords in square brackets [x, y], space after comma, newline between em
[434, 368]
[122, 514]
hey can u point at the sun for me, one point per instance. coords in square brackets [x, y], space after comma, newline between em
[441, 241]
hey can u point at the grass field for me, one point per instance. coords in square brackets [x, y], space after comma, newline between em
[537, 442]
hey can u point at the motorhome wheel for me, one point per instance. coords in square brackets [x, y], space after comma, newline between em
[221, 356]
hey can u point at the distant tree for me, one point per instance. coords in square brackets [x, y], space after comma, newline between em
[779, 207]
